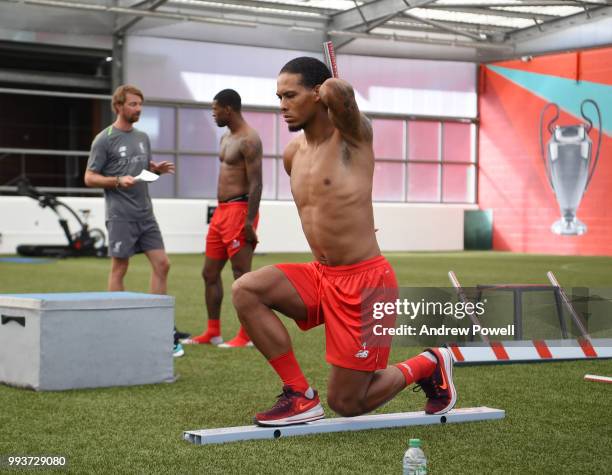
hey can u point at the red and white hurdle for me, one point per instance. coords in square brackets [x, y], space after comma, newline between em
[524, 351]
[597, 379]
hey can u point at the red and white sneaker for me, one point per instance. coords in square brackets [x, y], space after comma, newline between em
[204, 339]
[292, 407]
[237, 342]
[439, 387]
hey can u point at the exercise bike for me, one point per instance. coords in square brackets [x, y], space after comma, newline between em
[84, 243]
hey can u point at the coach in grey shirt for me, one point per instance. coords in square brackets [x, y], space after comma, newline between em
[118, 154]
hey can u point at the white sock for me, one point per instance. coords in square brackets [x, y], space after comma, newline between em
[309, 393]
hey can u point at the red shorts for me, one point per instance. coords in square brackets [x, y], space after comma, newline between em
[342, 297]
[226, 230]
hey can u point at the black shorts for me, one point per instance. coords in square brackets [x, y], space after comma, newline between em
[126, 238]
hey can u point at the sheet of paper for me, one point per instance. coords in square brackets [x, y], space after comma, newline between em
[147, 176]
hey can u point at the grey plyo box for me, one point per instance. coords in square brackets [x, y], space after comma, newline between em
[85, 340]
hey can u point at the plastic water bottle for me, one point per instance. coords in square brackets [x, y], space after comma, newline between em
[415, 462]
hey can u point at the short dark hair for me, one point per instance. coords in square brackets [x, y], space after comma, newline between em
[229, 97]
[313, 71]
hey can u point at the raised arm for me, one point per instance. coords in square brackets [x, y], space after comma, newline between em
[251, 151]
[339, 97]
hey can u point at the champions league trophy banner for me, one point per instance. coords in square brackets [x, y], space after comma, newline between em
[568, 160]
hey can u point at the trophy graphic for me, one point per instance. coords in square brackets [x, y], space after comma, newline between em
[568, 161]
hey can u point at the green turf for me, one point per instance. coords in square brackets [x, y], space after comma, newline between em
[555, 422]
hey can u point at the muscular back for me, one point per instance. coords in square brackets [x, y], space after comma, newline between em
[332, 188]
[233, 174]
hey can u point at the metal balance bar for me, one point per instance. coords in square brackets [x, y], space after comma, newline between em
[341, 424]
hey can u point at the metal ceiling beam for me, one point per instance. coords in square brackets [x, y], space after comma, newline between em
[131, 11]
[140, 4]
[52, 79]
[470, 26]
[241, 4]
[444, 28]
[370, 25]
[487, 10]
[72, 51]
[421, 27]
[410, 26]
[361, 18]
[543, 29]
[319, 19]
[529, 3]
[420, 40]
[118, 69]
[251, 21]
[126, 26]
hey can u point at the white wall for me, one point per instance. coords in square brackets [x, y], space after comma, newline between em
[402, 227]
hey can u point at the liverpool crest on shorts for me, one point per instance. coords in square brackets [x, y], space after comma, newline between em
[363, 353]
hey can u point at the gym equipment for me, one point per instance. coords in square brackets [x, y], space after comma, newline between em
[341, 424]
[59, 341]
[524, 350]
[85, 242]
[330, 58]
[597, 379]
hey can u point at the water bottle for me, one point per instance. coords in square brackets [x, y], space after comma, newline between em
[415, 462]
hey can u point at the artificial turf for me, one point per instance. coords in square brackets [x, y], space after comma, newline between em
[555, 422]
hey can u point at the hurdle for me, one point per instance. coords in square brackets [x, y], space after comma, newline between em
[464, 300]
[340, 424]
[529, 350]
[598, 379]
[568, 305]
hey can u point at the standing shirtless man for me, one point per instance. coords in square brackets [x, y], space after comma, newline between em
[232, 231]
[331, 168]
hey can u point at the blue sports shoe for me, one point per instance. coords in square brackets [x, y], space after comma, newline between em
[178, 350]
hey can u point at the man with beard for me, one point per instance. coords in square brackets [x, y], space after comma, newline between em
[232, 231]
[331, 167]
[118, 154]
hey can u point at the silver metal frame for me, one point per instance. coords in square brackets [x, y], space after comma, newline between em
[277, 156]
[341, 424]
[365, 20]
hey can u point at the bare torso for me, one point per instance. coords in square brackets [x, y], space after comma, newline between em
[233, 179]
[332, 188]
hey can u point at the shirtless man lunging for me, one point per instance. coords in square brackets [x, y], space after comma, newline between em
[331, 168]
[232, 231]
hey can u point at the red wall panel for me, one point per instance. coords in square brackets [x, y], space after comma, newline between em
[512, 179]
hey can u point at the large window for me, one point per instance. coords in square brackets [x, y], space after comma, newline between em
[416, 160]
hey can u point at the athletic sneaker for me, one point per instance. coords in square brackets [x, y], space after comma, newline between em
[236, 342]
[179, 335]
[439, 387]
[178, 350]
[292, 407]
[204, 339]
